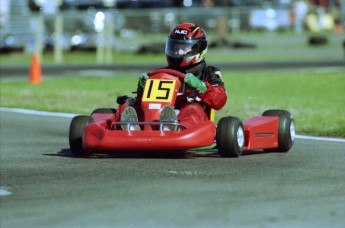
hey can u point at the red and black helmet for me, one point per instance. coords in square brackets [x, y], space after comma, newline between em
[186, 45]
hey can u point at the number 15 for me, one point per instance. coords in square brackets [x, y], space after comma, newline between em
[159, 90]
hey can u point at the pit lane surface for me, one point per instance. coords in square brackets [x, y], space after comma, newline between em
[42, 185]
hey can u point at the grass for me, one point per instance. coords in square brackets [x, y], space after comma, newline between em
[315, 98]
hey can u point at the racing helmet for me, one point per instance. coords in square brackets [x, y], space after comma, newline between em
[186, 45]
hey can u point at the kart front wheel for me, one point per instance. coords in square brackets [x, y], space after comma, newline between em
[230, 137]
[76, 132]
[286, 130]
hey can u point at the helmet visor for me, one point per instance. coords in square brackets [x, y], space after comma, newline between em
[181, 48]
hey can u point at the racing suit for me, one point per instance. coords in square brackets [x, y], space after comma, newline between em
[194, 106]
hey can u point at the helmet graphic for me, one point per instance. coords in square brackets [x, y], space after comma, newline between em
[186, 45]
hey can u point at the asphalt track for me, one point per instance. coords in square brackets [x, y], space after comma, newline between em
[42, 185]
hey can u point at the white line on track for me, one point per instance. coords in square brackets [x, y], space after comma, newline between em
[318, 138]
[4, 191]
[37, 113]
[69, 115]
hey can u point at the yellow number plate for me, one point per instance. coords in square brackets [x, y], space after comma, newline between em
[158, 90]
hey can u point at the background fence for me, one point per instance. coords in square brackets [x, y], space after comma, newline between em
[97, 27]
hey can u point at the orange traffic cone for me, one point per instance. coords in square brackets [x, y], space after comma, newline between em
[35, 76]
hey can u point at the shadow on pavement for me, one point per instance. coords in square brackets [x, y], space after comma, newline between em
[152, 154]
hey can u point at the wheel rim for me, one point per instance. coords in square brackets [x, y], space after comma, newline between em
[292, 130]
[240, 137]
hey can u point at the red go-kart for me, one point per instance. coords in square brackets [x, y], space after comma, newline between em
[273, 131]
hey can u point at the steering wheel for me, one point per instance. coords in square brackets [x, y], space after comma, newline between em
[175, 73]
[172, 72]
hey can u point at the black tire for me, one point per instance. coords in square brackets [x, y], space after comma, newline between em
[286, 130]
[104, 110]
[230, 137]
[76, 132]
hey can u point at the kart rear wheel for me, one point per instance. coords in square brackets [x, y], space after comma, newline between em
[230, 137]
[104, 111]
[76, 132]
[286, 130]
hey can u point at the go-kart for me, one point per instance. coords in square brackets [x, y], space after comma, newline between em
[273, 131]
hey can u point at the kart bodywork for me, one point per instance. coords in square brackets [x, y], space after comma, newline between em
[274, 130]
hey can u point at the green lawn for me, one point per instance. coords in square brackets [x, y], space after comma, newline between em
[315, 98]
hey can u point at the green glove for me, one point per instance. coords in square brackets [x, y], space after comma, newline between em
[142, 81]
[195, 82]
